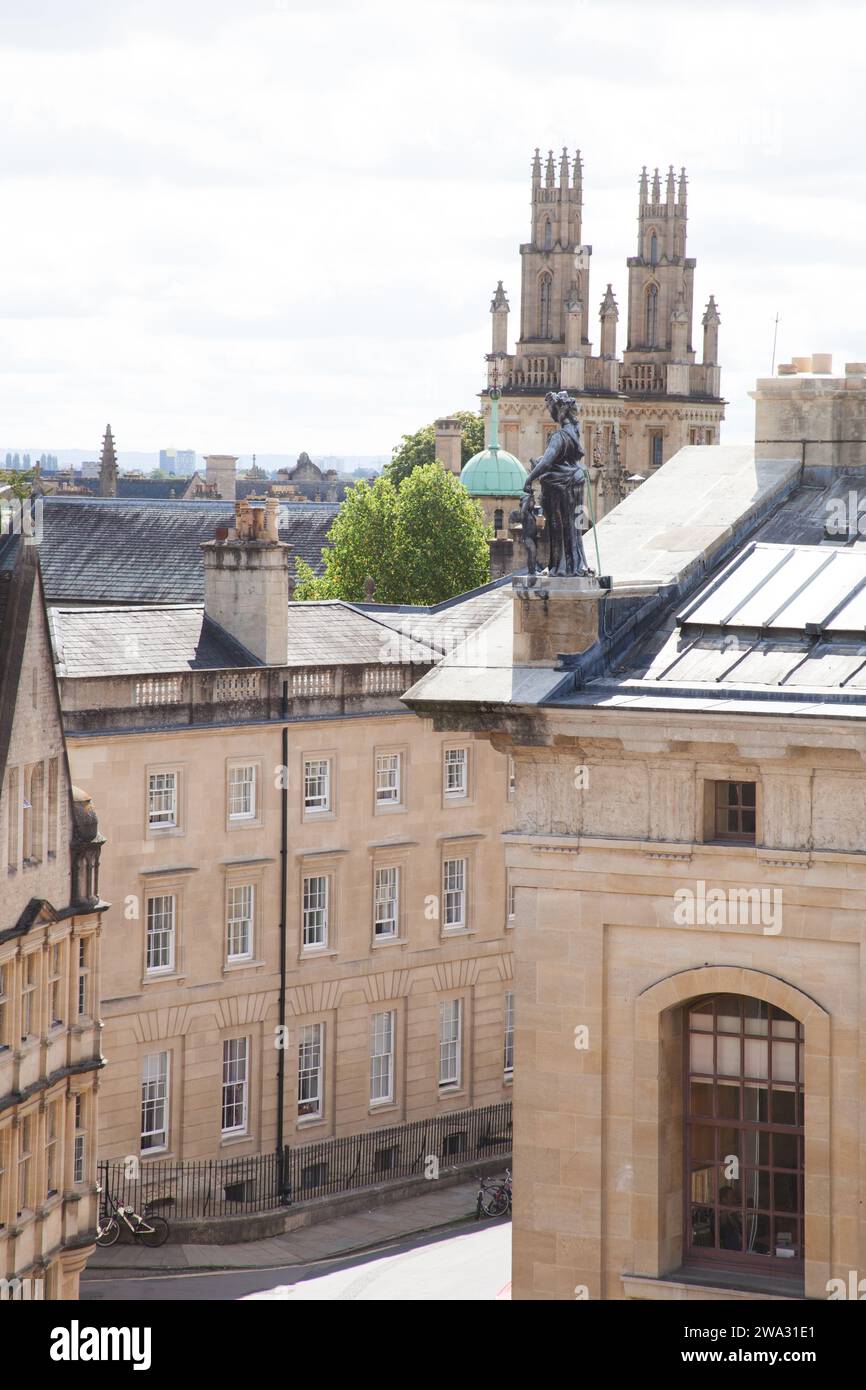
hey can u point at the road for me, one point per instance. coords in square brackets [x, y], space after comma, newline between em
[471, 1263]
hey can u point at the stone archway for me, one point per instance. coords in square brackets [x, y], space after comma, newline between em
[657, 1192]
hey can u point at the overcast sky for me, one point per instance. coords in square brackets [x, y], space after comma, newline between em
[272, 225]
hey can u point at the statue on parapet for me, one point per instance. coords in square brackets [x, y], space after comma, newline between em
[563, 478]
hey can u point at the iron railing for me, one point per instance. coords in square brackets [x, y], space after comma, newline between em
[198, 1189]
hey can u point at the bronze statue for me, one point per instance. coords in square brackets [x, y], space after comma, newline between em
[529, 528]
[562, 478]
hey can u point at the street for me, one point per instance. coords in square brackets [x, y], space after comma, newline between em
[468, 1264]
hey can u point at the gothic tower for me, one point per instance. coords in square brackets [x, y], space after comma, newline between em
[108, 467]
[636, 412]
[554, 266]
[660, 276]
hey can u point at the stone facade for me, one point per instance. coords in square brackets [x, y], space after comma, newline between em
[690, 1027]
[49, 963]
[658, 398]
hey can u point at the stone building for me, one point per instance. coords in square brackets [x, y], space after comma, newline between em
[655, 400]
[267, 790]
[50, 912]
[688, 874]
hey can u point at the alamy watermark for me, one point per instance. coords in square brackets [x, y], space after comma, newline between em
[729, 907]
[22, 516]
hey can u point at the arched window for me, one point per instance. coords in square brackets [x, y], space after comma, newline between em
[652, 316]
[498, 519]
[744, 1135]
[654, 249]
[545, 289]
[548, 234]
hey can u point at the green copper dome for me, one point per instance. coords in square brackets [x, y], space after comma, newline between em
[494, 473]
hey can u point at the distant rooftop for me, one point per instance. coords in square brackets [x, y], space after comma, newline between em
[101, 550]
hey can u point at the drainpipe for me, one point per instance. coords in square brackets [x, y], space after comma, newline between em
[284, 856]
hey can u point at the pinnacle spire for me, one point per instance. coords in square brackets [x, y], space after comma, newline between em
[711, 313]
[670, 191]
[608, 304]
[563, 167]
[536, 166]
[681, 193]
[500, 299]
[657, 190]
[577, 171]
[549, 172]
[644, 186]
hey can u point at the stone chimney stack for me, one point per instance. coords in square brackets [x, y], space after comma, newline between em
[449, 436]
[220, 469]
[810, 413]
[246, 586]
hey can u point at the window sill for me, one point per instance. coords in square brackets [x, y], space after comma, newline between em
[382, 1107]
[380, 942]
[390, 808]
[160, 978]
[232, 965]
[446, 932]
[228, 1141]
[245, 823]
[310, 1121]
[450, 1091]
[713, 1285]
[317, 952]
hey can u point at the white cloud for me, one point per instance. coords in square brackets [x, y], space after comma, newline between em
[272, 225]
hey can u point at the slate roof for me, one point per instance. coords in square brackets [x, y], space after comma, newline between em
[141, 641]
[444, 625]
[115, 551]
[92, 642]
[783, 621]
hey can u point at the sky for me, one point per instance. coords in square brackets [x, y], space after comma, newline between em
[270, 225]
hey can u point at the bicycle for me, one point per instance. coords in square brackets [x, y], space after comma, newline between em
[494, 1195]
[152, 1231]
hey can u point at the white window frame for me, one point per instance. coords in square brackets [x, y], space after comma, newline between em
[163, 810]
[318, 803]
[453, 759]
[83, 981]
[311, 1070]
[389, 778]
[450, 1044]
[382, 1032]
[170, 932]
[234, 1097]
[386, 902]
[79, 1147]
[508, 1046]
[455, 875]
[155, 1090]
[238, 920]
[315, 912]
[249, 792]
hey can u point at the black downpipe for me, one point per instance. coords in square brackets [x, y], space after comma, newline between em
[285, 1195]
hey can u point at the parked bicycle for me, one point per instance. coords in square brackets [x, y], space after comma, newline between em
[494, 1195]
[150, 1230]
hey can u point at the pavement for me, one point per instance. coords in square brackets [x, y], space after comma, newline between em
[364, 1230]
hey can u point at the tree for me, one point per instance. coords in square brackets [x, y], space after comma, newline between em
[420, 543]
[20, 484]
[420, 448]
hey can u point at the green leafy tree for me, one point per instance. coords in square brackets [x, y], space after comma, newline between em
[418, 449]
[20, 484]
[421, 542]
